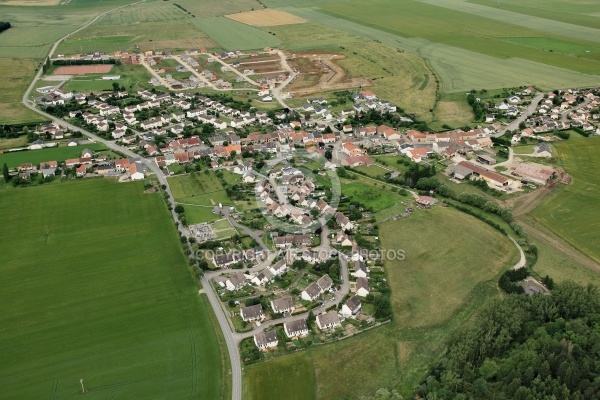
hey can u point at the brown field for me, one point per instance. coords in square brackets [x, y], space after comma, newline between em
[83, 69]
[266, 18]
[321, 73]
[29, 2]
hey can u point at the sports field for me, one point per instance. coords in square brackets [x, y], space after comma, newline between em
[83, 69]
[96, 287]
[573, 212]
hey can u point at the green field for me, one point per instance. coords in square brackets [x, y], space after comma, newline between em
[213, 8]
[451, 51]
[370, 194]
[61, 153]
[198, 192]
[133, 77]
[16, 76]
[288, 378]
[233, 35]
[572, 211]
[96, 287]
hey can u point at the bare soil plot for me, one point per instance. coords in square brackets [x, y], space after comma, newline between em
[83, 69]
[266, 17]
[320, 72]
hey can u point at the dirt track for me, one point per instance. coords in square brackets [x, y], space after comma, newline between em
[328, 73]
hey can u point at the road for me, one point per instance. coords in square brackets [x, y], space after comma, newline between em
[514, 125]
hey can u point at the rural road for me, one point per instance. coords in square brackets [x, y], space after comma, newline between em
[514, 125]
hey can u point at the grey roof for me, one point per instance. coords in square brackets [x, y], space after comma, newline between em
[251, 312]
[353, 303]
[279, 265]
[313, 290]
[265, 273]
[280, 305]
[296, 326]
[238, 279]
[363, 283]
[543, 147]
[360, 266]
[325, 282]
[328, 318]
[264, 338]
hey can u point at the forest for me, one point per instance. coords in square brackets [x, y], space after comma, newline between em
[526, 347]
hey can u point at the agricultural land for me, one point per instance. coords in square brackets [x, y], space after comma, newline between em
[113, 302]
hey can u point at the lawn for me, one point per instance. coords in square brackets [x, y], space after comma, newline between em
[199, 192]
[443, 249]
[374, 171]
[290, 377]
[60, 153]
[370, 194]
[96, 287]
[232, 35]
[572, 212]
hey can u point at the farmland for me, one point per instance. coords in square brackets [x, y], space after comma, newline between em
[568, 212]
[16, 75]
[265, 18]
[451, 51]
[232, 35]
[96, 287]
[61, 153]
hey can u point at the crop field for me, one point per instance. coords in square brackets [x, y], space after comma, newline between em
[100, 292]
[213, 8]
[266, 17]
[288, 378]
[232, 35]
[417, 28]
[571, 212]
[61, 153]
[578, 12]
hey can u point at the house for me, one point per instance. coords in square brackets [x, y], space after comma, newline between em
[315, 289]
[343, 222]
[81, 171]
[362, 287]
[542, 150]
[328, 320]
[252, 313]
[225, 260]
[47, 172]
[136, 171]
[351, 307]
[342, 239]
[37, 145]
[360, 269]
[266, 340]
[279, 268]
[236, 282]
[264, 277]
[295, 329]
[426, 201]
[283, 305]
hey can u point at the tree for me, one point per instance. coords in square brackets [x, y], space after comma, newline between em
[179, 209]
[5, 173]
[115, 86]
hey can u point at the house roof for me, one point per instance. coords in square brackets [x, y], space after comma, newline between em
[353, 303]
[250, 312]
[328, 318]
[296, 326]
[237, 279]
[313, 290]
[285, 303]
[325, 282]
[363, 283]
[264, 338]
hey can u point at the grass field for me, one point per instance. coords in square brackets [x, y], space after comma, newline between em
[572, 212]
[198, 192]
[133, 77]
[458, 241]
[289, 377]
[213, 8]
[370, 194]
[16, 75]
[96, 287]
[452, 51]
[266, 17]
[232, 35]
[61, 153]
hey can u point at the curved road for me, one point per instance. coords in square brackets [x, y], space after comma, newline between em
[236, 370]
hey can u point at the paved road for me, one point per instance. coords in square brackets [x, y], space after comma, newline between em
[514, 125]
[254, 235]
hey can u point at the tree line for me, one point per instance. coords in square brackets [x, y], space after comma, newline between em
[525, 347]
[4, 26]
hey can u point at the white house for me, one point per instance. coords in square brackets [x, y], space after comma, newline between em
[236, 282]
[266, 340]
[328, 320]
[284, 304]
[295, 329]
[136, 171]
[252, 313]
[351, 307]
[362, 287]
